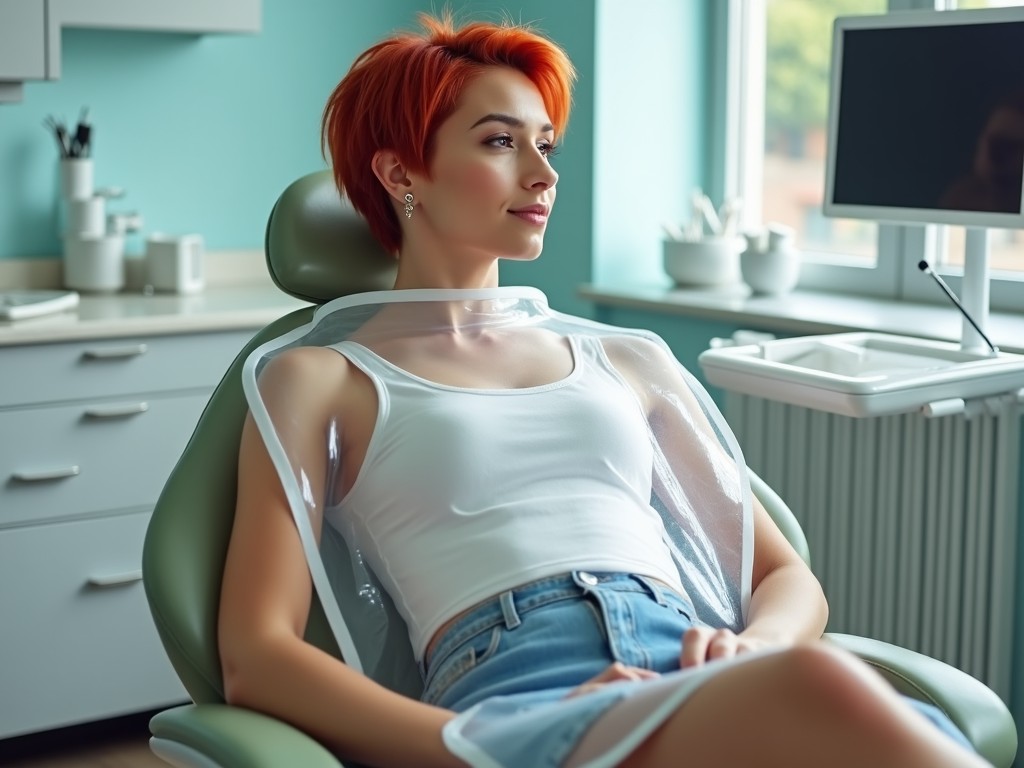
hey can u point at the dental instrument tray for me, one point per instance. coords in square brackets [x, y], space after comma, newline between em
[18, 305]
[862, 374]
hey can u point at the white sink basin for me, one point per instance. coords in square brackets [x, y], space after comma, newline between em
[861, 374]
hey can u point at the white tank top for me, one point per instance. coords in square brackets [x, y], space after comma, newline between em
[465, 493]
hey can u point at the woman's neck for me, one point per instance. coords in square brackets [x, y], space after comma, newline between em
[419, 269]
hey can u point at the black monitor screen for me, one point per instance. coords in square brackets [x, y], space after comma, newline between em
[931, 117]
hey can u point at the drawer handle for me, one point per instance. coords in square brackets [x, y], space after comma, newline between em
[115, 579]
[46, 475]
[113, 353]
[116, 411]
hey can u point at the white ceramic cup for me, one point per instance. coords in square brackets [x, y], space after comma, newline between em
[94, 263]
[86, 216]
[76, 178]
[712, 261]
[174, 263]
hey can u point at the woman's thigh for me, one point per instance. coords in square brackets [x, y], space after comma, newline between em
[544, 641]
[805, 706]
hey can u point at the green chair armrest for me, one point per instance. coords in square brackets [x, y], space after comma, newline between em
[975, 709]
[234, 737]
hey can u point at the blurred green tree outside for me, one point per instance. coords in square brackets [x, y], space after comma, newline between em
[799, 50]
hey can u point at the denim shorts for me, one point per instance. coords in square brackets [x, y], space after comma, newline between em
[555, 633]
[508, 663]
[512, 660]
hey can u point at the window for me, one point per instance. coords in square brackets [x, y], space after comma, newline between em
[798, 52]
[779, 58]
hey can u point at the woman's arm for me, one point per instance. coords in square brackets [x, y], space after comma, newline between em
[787, 605]
[266, 593]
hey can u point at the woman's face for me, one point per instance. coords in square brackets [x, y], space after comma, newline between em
[491, 185]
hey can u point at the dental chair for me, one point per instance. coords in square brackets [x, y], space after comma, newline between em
[317, 249]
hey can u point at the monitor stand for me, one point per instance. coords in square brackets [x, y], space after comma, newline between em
[974, 293]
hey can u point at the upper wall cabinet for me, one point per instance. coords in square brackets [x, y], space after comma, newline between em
[22, 45]
[30, 30]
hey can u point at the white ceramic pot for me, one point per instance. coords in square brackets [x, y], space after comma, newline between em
[712, 261]
[87, 216]
[94, 263]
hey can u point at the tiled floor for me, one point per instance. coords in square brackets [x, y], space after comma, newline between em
[120, 743]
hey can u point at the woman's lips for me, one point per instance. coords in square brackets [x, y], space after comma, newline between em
[533, 214]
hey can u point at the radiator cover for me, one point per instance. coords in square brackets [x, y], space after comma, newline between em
[911, 521]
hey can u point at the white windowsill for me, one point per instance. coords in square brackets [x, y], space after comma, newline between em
[809, 312]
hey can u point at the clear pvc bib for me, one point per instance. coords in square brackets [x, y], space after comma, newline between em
[299, 389]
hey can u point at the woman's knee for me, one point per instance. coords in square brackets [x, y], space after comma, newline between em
[807, 705]
[851, 708]
[830, 682]
[810, 695]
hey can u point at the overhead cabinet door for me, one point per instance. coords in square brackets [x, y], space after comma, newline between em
[22, 46]
[189, 16]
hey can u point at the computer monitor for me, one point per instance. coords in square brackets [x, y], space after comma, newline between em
[926, 118]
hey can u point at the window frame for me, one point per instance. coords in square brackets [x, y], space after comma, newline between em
[895, 275]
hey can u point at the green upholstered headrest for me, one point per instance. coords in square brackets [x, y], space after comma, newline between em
[319, 248]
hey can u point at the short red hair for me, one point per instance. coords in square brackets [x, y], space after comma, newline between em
[398, 93]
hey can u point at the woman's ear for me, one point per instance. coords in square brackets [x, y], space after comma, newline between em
[390, 171]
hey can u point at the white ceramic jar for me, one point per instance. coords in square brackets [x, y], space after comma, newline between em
[770, 265]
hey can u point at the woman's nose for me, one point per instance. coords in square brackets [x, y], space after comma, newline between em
[538, 172]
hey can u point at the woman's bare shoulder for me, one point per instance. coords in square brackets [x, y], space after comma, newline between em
[302, 361]
[636, 352]
[314, 374]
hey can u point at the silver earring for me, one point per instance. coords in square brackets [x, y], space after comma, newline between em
[408, 205]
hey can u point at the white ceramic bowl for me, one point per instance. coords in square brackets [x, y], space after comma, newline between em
[708, 262]
[771, 272]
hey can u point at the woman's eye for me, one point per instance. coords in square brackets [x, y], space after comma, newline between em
[505, 141]
[548, 150]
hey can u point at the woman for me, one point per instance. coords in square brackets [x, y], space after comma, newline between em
[554, 507]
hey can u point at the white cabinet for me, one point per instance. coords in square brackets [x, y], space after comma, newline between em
[22, 40]
[196, 16]
[190, 16]
[77, 643]
[30, 30]
[22, 45]
[89, 431]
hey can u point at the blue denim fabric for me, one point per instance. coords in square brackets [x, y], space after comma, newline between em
[544, 636]
[520, 653]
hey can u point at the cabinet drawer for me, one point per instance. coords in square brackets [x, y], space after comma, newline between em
[77, 641]
[109, 368]
[90, 456]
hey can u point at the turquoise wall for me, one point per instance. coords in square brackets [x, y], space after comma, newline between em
[202, 132]
[653, 72]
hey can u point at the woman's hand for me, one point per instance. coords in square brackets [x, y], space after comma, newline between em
[702, 644]
[616, 673]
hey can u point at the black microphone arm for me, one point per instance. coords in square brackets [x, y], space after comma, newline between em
[926, 268]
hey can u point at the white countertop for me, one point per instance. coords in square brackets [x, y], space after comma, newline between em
[217, 308]
[810, 312]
